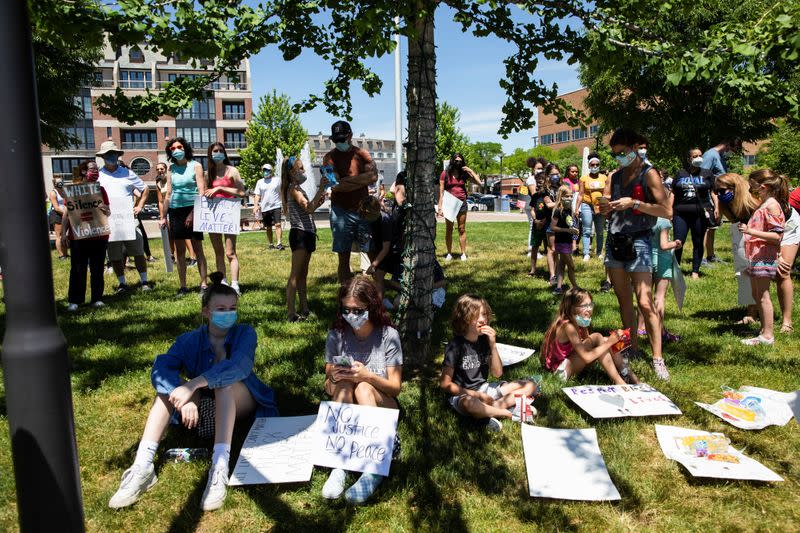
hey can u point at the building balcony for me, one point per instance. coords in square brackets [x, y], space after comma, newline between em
[227, 86]
[135, 84]
[139, 145]
[233, 116]
[235, 145]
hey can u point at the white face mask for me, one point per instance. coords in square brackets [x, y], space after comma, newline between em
[697, 161]
[642, 152]
[594, 170]
[356, 320]
[300, 179]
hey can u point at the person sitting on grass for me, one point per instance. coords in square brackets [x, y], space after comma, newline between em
[568, 346]
[364, 366]
[469, 358]
[217, 360]
[382, 260]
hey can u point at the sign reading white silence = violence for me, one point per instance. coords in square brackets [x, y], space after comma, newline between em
[217, 215]
[85, 210]
[355, 437]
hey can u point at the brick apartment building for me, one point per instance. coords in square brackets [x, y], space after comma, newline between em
[222, 117]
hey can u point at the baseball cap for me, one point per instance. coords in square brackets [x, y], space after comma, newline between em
[340, 130]
[266, 166]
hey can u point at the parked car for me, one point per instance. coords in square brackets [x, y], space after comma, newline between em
[150, 212]
[488, 201]
[472, 205]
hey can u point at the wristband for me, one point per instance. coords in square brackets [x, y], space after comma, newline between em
[636, 204]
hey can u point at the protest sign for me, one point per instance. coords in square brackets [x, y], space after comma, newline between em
[707, 454]
[84, 202]
[511, 355]
[217, 215]
[450, 206]
[566, 464]
[122, 221]
[168, 264]
[355, 437]
[615, 401]
[276, 450]
[678, 282]
[751, 408]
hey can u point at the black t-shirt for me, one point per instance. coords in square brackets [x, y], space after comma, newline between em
[563, 220]
[470, 361]
[540, 209]
[381, 230]
[688, 188]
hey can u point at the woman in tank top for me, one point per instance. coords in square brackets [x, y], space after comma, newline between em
[58, 211]
[184, 182]
[224, 182]
[637, 199]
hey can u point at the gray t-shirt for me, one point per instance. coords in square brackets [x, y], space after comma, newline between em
[380, 350]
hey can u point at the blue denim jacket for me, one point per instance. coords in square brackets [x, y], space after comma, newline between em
[192, 355]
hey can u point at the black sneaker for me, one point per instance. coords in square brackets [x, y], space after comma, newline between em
[280, 247]
[182, 291]
[191, 262]
[271, 246]
[558, 291]
[605, 286]
[122, 289]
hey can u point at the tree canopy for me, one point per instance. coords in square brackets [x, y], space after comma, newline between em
[449, 137]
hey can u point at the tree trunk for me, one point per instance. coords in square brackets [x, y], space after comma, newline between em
[420, 233]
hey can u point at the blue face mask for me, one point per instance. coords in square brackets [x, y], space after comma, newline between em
[178, 154]
[726, 197]
[627, 159]
[111, 159]
[223, 319]
[343, 147]
[218, 157]
[583, 321]
[555, 179]
[267, 173]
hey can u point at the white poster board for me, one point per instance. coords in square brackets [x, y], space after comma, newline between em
[792, 399]
[752, 408]
[566, 464]
[276, 450]
[168, 264]
[511, 355]
[311, 184]
[615, 401]
[450, 206]
[122, 221]
[217, 215]
[355, 437]
[689, 448]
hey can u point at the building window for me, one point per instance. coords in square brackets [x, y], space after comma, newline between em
[593, 129]
[166, 133]
[108, 132]
[135, 55]
[749, 160]
[578, 134]
[235, 139]
[85, 137]
[233, 110]
[139, 140]
[203, 160]
[135, 79]
[62, 167]
[547, 139]
[200, 109]
[85, 103]
[562, 136]
[197, 136]
[140, 166]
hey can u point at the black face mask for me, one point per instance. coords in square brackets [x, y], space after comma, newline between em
[458, 164]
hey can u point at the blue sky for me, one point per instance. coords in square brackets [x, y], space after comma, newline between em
[469, 69]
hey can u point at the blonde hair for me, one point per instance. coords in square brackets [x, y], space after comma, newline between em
[777, 184]
[744, 204]
[466, 310]
[572, 298]
[564, 189]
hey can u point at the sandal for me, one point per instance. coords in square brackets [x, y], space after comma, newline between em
[787, 328]
[755, 341]
[641, 332]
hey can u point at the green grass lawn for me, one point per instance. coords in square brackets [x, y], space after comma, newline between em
[452, 475]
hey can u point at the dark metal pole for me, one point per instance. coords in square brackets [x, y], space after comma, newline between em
[35, 363]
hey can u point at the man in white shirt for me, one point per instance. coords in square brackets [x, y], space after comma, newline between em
[120, 182]
[268, 204]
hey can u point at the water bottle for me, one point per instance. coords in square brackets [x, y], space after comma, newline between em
[638, 194]
[186, 455]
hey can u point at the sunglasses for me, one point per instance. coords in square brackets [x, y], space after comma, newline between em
[585, 306]
[353, 311]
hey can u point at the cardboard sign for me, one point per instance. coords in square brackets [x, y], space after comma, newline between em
[276, 450]
[355, 437]
[122, 221]
[83, 204]
[450, 206]
[616, 401]
[566, 464]
[511, 355]
[707, 454]
[751, 408]
[217, 215]
[168, 264]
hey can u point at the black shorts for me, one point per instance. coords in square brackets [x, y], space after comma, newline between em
[177, 224]
[54, 218]
[271, 217]
[302, 240]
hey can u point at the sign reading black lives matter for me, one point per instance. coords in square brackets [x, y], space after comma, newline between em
[355, 437]
[84, 202]
[217, 215]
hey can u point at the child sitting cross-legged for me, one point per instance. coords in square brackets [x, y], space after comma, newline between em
[469, 358]
[568, 346]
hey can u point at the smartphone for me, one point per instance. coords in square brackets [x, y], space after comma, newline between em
[342, 360]
[327, 171]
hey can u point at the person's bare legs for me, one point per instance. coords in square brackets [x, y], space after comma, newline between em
[643, 285]
[662, 286]
[343, 271]
[268, 229]
[219, 251]
[568, 262]
[448, 236]
[158, 418]
[278, 233]
[298, 258]
[621, 283]
[202, 266]
[764, 302]
[551, 254]
[233, 259]
[785, 286]
[302, 286]
[511, 390]
[461, 219]
[230, 403]
[477, 409]
[62, 251]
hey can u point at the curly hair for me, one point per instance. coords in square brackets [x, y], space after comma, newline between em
[189, 154]
[362, 289]
[466, 310]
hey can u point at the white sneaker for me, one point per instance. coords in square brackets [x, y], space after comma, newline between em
[72, 308]
[334, 487]
[494, 425]
[214, 495]
[448, 257]
[135, 481]
[98, 304]
[586, 258]
[463, 257]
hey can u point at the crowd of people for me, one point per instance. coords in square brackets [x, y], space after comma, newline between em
[205, 381]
